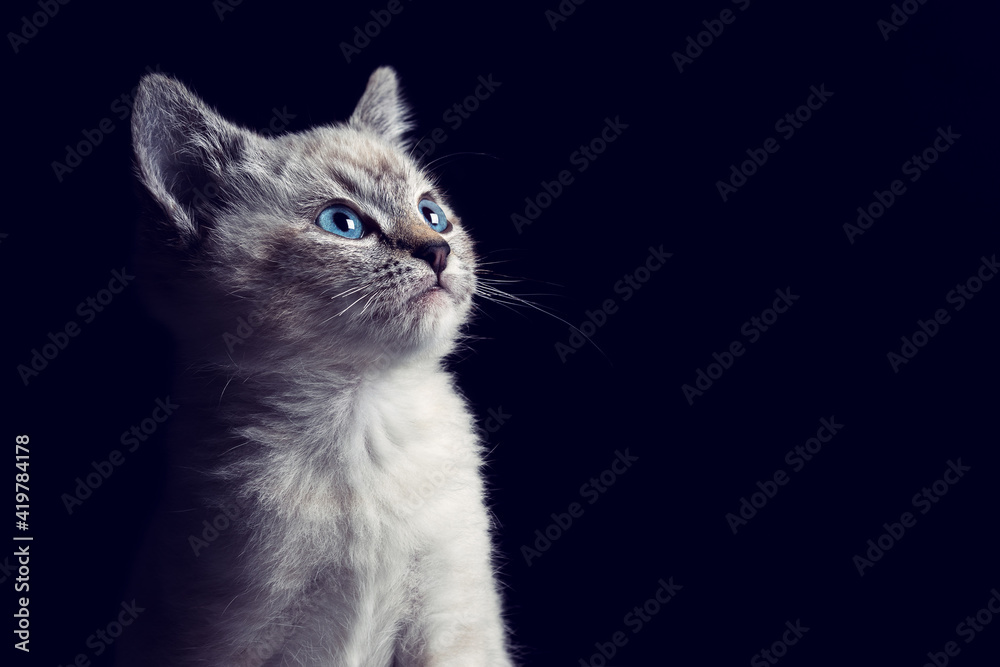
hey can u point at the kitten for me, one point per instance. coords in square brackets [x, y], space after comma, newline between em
[324, 502]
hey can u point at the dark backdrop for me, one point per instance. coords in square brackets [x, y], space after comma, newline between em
[668, 523]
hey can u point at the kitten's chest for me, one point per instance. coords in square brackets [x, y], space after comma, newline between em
[418, 449]
[371, 472]
[402, 464]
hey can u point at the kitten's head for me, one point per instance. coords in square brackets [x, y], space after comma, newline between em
[331, 242]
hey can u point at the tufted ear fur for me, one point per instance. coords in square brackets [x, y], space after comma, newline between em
[181, 148]
[381, 108]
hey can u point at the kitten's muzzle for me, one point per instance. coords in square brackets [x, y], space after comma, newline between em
[435, 253]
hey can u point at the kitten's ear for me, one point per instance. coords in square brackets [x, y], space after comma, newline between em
[181, 148]
[381, 109]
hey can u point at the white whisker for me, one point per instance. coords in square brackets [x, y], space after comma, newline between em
[349, 307]
[352, 289]
[375, 294]
[507, 300]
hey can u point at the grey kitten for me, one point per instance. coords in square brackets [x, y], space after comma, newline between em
[324, 503]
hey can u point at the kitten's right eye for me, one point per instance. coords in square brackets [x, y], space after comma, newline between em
[341, 221]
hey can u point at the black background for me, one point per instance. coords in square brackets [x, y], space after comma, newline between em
[655, 185]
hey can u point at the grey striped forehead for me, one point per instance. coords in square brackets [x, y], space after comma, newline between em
[339, 163]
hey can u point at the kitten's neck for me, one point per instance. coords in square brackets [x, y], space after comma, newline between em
[290, 396]
[266, 434]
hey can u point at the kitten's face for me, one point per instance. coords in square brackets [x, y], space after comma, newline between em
[333, 238]
[400, 284]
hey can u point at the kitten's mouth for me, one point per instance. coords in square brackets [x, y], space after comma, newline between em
[434, 291]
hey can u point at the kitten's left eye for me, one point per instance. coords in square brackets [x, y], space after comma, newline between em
[434, 216]
[341, 221]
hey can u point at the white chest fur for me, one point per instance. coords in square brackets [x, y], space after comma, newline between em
[363, 511]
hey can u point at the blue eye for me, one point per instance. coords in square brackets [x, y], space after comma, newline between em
[434, 216]
[341, 221]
